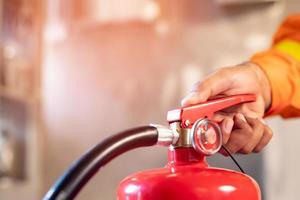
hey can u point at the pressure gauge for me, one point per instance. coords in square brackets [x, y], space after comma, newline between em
[206, 137]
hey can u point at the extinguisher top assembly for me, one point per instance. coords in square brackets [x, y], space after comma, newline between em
[191, 136]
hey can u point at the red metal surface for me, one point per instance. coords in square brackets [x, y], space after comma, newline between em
[187, 177]
[207, 109]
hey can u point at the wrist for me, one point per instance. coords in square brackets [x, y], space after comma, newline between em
[264, 83]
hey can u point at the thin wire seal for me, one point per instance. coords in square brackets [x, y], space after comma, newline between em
[234, 160]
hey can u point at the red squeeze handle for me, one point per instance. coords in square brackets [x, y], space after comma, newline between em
[190, 114]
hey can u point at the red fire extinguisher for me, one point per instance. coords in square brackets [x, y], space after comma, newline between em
[191, 136]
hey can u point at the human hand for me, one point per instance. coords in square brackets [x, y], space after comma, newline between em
[247, 135]
[247, 78]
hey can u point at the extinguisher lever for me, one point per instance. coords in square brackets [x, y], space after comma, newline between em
[190, 114]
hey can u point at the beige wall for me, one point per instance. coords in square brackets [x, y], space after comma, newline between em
[102, 78]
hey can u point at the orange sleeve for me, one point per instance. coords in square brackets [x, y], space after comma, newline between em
[281, 64]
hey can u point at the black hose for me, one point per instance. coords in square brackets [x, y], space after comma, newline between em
[74, 179]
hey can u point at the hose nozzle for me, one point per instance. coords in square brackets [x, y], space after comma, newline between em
[166, 136]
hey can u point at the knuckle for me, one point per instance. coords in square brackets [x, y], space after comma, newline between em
[248, 132]
[196, 86]
[219, 116]
[257, 125]
[259, 134]
[236, 146]
[269, 133]
[257, 149]
[260, 125]
[232, 148]
[247, 150]
[201, 85]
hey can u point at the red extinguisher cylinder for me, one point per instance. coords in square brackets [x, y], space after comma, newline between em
[187, 176]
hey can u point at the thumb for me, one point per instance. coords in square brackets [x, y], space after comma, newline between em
[213, 85]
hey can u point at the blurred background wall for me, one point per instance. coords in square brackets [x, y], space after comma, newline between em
[104, 66]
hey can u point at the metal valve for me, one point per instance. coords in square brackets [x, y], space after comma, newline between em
[206, 137]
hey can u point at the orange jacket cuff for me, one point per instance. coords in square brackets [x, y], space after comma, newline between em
[277, 67]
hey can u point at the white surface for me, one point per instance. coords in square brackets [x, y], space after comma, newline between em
[282, 161]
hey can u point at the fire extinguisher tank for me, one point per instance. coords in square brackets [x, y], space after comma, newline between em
[192, 135]
[188, 177]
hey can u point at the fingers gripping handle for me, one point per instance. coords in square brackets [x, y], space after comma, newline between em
[190, 114]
